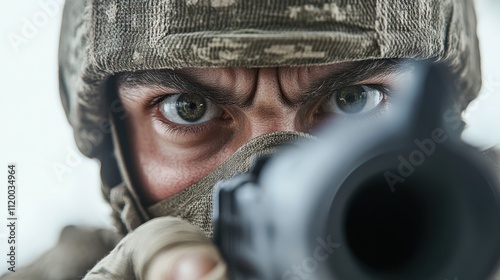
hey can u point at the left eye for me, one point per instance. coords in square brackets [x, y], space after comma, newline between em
[188, 108]
[355, 99]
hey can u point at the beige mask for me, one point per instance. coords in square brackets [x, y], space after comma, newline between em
[194, 203]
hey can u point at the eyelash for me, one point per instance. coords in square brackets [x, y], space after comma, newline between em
[383, 88]
[184, 130]
[169, 127]
[372, 116]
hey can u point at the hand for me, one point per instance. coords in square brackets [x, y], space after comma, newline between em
[162, 249]
[201, 262]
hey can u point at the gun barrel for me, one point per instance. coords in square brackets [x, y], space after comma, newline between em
[403, 198]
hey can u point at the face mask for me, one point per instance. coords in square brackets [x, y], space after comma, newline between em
[194, 203]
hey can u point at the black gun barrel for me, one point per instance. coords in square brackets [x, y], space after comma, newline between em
[403, 198]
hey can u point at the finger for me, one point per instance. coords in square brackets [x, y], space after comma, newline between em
[200, 262]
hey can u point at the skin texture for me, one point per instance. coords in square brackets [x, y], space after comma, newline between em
[251, 102]
[168, 155]
[187, 263]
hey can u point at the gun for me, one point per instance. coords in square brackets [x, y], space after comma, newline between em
[402, 197]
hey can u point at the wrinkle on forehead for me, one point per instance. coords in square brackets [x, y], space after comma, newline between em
[294, 86]
[300, 78]
[292, 81]
[240, 81]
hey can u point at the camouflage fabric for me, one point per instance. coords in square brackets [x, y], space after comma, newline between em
[102, 37]
[195, 203]
[77, 251]
[132, 257]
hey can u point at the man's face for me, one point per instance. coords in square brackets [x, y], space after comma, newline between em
[184, 123]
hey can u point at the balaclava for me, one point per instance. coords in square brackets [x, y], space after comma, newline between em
[100, 38]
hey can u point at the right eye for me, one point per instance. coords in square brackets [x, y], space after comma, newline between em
[189, 108]
[353, 100]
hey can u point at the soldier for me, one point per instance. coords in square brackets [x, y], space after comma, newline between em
[173, 96]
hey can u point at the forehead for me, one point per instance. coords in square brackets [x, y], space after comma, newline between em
[226, 75]
[236, 85]
[302, 74]
[244, 80]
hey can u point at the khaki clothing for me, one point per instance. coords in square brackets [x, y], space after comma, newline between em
[100, 38]
[77, 251]
[133, 255]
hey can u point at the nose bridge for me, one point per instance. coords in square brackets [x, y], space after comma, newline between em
[264, 123]
[269, 111]
[267, 90]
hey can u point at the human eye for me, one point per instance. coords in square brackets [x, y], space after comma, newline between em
[354, 101]
[188, 109]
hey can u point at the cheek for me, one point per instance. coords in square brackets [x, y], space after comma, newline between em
[161, 176]
[162, 167]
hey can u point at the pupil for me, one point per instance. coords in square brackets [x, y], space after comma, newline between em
[352, 99]
[190, 107]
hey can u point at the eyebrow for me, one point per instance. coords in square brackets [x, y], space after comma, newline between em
[352, 73]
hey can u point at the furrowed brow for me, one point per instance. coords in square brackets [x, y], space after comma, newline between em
[358, 72]
[170, 79]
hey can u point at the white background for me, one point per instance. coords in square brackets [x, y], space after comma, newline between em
[35, 135]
